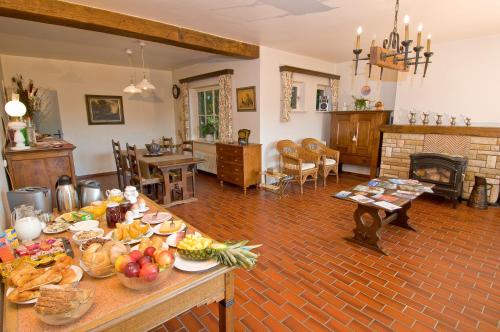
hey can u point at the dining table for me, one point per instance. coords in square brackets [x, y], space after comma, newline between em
[168, 162]
[117, 308]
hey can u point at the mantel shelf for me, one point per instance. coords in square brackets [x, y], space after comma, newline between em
[442, 130]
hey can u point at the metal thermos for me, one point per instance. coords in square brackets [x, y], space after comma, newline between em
[89, 191]
[479, 194]
[66, 195]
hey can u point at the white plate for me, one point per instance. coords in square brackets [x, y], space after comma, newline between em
[79, 275]
[47, 231]
[172, 240]
[80, 242]
[134, 241]
[146, 209]
[11, 289]
[85, 225]
[162, 216]
[138, 215]
[193, 266]
[163, 246]
[156, 230]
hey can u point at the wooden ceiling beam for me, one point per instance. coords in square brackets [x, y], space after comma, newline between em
[94, 19]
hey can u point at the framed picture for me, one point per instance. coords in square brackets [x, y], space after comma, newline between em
[245, 99]
[104, 110]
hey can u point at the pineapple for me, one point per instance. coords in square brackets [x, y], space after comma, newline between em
[196, 247]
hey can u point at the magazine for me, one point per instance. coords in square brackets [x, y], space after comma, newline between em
[403, 195]
[361, 199]
[382, 184]
[342, 194]
[387, 205]
[387, 198]
[372, 190]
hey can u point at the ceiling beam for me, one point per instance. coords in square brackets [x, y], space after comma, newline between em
[94, 19]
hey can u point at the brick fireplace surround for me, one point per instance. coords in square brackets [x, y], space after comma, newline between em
[481, 145]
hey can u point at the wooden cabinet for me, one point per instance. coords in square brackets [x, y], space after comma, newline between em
[357, 136]
[40, 167]
[239, 164]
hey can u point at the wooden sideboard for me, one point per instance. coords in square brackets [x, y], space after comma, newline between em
[41, 166]
[356, 134]
[239, 164]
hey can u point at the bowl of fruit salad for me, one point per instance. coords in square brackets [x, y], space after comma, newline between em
[144, 270]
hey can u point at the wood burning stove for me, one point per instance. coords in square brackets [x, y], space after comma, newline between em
[445, 171]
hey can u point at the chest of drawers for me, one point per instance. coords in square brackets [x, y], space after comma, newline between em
[239, 164]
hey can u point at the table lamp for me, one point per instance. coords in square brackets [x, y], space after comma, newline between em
[16, 110]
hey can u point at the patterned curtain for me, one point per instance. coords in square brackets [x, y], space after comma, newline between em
[286, 95]
[185, 131]
[334, 86]
[225, 109]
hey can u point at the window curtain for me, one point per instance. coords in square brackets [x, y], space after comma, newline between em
[286, 95]
[334, 87]
[185, 131]
[225, 109]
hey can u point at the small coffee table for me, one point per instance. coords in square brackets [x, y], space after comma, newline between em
[367, 216]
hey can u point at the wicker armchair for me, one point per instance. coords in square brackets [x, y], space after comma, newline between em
[329, 158]
[298, 162]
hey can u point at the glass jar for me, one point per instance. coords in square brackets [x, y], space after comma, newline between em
[124, 207]
[113, 215]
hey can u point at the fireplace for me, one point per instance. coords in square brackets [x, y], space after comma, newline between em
[445, 171]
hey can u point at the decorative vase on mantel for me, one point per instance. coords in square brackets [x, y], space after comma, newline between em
[453, 121]
[425, 118]
[439, 120]
[412, 118]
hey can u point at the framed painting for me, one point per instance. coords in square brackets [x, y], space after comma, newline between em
[104, 110]
[245, 99]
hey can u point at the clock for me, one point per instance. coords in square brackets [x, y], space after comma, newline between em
[175, 91]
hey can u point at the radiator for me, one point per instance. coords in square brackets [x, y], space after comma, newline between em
[210, 164]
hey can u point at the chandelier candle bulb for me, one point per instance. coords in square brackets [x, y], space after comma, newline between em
[419, 34]
[407, 27]
[428, 43]
[358, 37]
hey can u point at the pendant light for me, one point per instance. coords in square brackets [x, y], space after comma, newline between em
[144, 85]
[131, 88]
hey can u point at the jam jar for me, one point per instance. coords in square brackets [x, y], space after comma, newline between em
[113, 215]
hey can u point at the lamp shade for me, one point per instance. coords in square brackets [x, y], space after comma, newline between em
[145, 85]
[132, 89]
[14, 107]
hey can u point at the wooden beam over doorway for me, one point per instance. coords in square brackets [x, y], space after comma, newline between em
[94, 19]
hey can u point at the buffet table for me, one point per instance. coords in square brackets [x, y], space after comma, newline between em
[117, 308]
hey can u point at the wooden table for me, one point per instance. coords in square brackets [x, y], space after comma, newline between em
[369, 222]
[169, 162]
[117, 308]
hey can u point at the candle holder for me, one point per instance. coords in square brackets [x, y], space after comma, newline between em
[439, 120]
[412, 118]
[417, 50]
[406, 44]
[356, 52]
[427, 56]
[467, 122]
[425, 118]
[453, 121]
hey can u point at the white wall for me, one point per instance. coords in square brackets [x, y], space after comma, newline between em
[246, 73]
[145, 117]
[381, 90]
[463, 79]
[302, 124]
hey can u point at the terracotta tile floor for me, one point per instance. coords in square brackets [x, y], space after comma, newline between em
[443, 277]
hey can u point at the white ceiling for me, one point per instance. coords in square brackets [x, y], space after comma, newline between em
[323, 29]
[25, 38]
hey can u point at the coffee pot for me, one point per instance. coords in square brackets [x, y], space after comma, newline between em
[66, 195]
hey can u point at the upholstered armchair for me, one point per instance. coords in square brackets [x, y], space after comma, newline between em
[298, 162]
[330, 158]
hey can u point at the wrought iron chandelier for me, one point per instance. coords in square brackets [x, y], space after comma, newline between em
[392, 55]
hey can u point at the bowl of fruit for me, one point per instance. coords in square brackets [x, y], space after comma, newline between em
[144, 270]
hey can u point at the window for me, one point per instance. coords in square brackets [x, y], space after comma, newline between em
[208, 112]
[323, 96]
[297, 101]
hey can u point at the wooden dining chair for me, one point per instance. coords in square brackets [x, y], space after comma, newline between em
[187, 148]
[120, 167]
[140, 175]
[168, 143]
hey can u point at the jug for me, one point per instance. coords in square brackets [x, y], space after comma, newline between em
[479, 194]
[26, 223]
[131, 194]
[89, 191]
[66, 195]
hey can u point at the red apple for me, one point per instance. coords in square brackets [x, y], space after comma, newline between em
[135, 255]
[132, 270]
[164, 258]
[149, 251]
[149, 272]
[144, 260]
[121, 262]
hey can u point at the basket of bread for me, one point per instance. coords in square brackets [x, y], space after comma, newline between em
[99, 258]
[25, 280]
[63, 304]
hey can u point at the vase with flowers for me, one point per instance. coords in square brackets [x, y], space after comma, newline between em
[28, 95]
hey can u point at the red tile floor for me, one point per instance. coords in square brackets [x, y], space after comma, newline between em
[443, 277]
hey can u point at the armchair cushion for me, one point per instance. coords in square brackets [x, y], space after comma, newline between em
[329, 162]
[305, 166]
